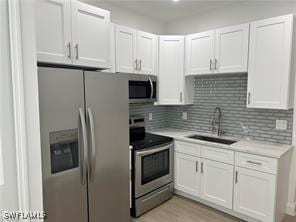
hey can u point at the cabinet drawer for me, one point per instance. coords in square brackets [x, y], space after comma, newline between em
[259, 163]
[221, 155]
[187, 148]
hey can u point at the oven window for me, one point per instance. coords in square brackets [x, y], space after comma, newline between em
[155, 165]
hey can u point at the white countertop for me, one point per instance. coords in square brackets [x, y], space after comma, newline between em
[247, 146]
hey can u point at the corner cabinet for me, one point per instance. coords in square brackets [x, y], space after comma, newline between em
[218, 51]
[174, 88]
[136, 51]
[72, 33]
[270, 80]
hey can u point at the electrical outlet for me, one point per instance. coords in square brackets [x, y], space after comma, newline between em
[150, 116]
[184, 115]
[281, 124]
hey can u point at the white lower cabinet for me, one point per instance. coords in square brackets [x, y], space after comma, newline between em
[217, 182]
[254, 194]
[187, 178]
[248, 186]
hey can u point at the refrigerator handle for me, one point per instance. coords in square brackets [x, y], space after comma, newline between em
[83, 146]
[93, 144]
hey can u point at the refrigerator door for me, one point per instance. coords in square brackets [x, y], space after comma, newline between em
[61, 95]
[107, 116]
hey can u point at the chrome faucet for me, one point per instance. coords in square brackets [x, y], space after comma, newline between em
[216, 121]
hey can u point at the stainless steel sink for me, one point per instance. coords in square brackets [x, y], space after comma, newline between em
[212, 139]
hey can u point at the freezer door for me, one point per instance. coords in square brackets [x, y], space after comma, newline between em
[107, 116]
[61, 94]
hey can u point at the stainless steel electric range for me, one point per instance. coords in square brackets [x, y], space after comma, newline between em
[152, 168]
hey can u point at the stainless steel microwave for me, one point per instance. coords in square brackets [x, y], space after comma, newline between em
[142, 88]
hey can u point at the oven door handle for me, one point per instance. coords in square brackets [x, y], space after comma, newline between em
[156, 150]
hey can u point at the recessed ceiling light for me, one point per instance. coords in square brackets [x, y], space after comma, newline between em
[175, 0]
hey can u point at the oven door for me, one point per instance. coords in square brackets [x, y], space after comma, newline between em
[153, 168]
[142, 90]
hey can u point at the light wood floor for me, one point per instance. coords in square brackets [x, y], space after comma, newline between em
[180, 209]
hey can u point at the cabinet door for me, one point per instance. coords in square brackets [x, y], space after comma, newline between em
[200, 53]
[125, 47]
[146, 52]
[217, 182]
[112, 49]
[171, 68]
[187, 177]
[53, 31]
[254, 194]
[91, 35]
[231, 49]
[269, 63]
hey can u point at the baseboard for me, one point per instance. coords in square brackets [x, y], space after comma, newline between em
[291, 209]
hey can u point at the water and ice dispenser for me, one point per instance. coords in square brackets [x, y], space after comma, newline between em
[64, 152]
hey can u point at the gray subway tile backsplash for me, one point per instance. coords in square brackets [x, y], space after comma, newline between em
[229, 93]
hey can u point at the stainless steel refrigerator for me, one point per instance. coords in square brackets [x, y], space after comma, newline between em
[84, 135]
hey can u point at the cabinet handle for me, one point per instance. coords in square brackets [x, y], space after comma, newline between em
[181, 95]
[216, 62]
[253, 162]
[236, 177]
[249, 98]
[211, 62]
[69, 50]
[196, 166]
[202, 169]
[140, 65]
[77, 51]
[136, 64]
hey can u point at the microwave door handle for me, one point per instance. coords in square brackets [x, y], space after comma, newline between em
[156, 150]
[152, 87]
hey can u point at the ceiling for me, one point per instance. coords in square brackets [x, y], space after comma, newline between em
[167, 10]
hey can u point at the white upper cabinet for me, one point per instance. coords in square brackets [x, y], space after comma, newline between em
[174, 88]
[171, 60]
[71, 32]
[254, 194]
[136, 51]
[91, 35]
[231, 49]
[217, 183]
[200, 53]
[270, 84]
[218, 51]
[53, 31]
[146, 52]
[125, 48]
[187, 175]
[112, 48]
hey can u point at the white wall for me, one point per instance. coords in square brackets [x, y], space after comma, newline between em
[130, 18]
[232, 15]
[9, 190]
